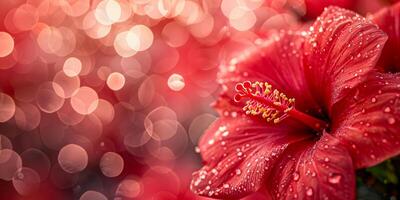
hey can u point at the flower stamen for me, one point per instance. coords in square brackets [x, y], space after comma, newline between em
[272, 105]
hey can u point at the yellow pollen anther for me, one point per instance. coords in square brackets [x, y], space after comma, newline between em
[262, 101]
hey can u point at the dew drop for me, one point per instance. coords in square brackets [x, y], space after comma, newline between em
[309, 192]
[334, 178]
[391, 121]
[238, 171]
[226, 185]
[387, 110]
[296, 176]
[373, 100]
[226, 133]
[326, 159]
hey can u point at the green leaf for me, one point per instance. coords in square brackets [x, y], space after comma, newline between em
[384, 172]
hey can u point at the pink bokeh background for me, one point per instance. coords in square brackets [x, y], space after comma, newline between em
[106, 99]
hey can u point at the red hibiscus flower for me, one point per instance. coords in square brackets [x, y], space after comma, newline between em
[315, 7]
[388, 20]
[300, 112]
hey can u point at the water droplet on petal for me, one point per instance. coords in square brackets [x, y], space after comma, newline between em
[391, 120]
[238, 171]
[372, 156]
[226, 185]
[309, 192]
[225, 133]
[387, 110]
[296, 176]
[334, 178]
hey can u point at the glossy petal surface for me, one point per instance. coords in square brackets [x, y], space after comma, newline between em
[342, 47]
[309, 170]
[367, 120]
[276, 60]
[239, 152]
[388, 19]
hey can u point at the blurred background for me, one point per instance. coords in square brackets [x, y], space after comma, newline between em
[107, 99]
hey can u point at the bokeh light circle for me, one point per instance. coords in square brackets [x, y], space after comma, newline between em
[26, 181]
[25, 17]
[7, 107]
[72, 67]
[108, 12]
[68, 115]
[7, 44]
[65, 86]
[73, 158]
[85, 101]
[140, 37]
[47, 99]
[92, 195]
[121, 45]
[5, 143]
[115, 81]
[174, 34]
[111, 164]
[105, 111]
[129, 188]
[38, 161]
[199, 125]
[10, 162]
[27, 116]
[176, 82]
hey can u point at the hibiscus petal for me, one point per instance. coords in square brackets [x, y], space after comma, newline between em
[341, 48]
[276, 60]
[309, 170]
[388, 19]
[367, 120]
[239, 152]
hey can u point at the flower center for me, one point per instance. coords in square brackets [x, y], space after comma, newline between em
[272, 105]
